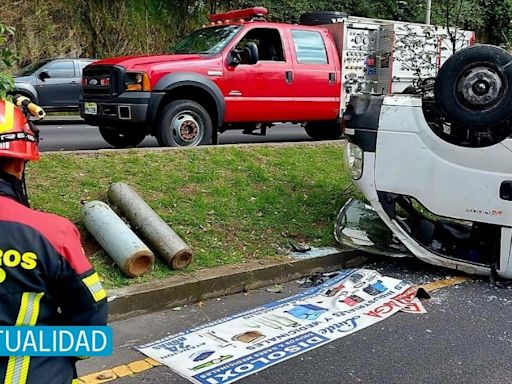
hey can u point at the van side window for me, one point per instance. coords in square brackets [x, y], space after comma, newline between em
[268, 40]
[310, 47]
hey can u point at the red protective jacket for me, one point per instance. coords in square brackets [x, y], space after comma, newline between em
[45, 279]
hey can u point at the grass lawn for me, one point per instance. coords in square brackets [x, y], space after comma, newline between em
[229, 204]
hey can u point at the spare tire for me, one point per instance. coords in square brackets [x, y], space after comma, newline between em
[474, 86]
[320, 18]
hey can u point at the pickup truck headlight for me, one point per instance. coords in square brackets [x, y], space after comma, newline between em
[137, 81]
[354, 160]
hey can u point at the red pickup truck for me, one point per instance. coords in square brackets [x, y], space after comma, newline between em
[240, 73]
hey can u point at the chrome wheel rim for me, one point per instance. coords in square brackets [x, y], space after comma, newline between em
[186, 129]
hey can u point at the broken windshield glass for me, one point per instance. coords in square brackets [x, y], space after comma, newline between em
[358, 226]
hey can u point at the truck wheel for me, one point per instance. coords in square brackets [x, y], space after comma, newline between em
[184, 123]
[324, 130]
[122, 139]
[320, 18]
[474, 86]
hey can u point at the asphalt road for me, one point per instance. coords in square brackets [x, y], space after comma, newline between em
[72, 137]
[466, 337]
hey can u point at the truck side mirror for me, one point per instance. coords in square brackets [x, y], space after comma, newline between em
[44, 75]
[234, 58]
[250, 54]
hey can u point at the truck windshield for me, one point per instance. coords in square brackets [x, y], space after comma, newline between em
[31, 68]
[207, 40]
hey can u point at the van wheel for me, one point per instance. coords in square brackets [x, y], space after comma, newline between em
[121, 138]
[474, 86]
[184, 123]
[325, 130]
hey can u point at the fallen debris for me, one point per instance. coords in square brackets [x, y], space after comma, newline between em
[300, 247]
[278, 288]
[237, 346]
[105, 376]
[110, 231]
[155, 231]
[316, 279]
[314, 252]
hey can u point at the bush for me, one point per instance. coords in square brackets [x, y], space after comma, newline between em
[7, 60]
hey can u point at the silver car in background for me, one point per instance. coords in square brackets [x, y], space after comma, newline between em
[53, 84]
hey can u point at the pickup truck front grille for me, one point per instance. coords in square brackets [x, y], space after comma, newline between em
[102, 81]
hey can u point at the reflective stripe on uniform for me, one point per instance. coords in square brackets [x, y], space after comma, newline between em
[7, 123]
[17, 367]
[94, 285]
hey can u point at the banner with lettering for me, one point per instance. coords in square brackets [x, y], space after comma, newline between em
[234, 347]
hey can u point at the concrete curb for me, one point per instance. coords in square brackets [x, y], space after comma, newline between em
[211, 283]
[94, 152]
[55, 120]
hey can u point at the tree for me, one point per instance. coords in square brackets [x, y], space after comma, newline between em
[498, 17]
[7, 60]
[490, 18]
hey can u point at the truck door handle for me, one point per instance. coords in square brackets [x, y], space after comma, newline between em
[506, 190]
[289, 77]
[332, 78]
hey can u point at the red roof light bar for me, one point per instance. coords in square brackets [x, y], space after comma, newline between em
[240, 14]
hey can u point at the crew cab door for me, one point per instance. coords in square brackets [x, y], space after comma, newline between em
[316, 82]
[259, 92]
[62, 87]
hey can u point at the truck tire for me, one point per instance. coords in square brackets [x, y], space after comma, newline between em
[320, 18]
[474, 86]
[324, 130]
[184, 123]
[122, 139]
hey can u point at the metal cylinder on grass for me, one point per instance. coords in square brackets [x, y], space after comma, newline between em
[159, 236]
[117, 239]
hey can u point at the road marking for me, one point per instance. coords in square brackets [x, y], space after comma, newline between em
[146, 364]
[120, 371]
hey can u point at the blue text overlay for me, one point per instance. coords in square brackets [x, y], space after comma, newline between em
[56, 341]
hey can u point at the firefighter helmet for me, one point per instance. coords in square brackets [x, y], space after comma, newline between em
[17, 139]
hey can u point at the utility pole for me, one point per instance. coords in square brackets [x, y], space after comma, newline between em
[429, 11]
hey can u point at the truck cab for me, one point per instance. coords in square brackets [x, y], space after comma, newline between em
[240, 72]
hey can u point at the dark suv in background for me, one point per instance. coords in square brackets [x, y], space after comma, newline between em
[53, 84]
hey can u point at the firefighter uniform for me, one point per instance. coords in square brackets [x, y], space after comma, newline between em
[45, 279]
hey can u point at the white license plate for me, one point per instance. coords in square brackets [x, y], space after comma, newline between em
[90, 108]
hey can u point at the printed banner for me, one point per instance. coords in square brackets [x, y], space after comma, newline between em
[229, 349]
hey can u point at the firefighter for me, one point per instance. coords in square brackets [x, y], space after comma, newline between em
[45, 277]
